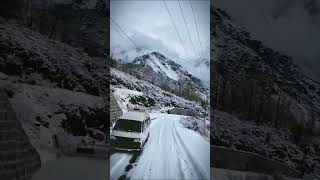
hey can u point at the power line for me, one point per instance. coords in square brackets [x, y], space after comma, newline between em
[124, 33]
[120, 34]
[175, 27]
[195, 22]
[187, 27]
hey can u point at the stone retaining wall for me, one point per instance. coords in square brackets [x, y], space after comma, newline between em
[18, 158]
[182, 111]
[115, 110]
[226, 158]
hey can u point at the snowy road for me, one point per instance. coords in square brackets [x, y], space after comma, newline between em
[171, 152]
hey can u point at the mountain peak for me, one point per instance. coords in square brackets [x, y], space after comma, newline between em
[158, 69]
[158, 54]
[160, 64]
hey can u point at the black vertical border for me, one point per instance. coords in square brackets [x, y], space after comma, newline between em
[107, 93]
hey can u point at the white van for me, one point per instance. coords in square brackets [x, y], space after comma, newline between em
[131, 131]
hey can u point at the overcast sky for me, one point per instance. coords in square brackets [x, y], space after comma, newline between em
[289, 26]
[149, 25]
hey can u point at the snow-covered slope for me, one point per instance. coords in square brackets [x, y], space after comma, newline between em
[160, 64]
[31, 58]
[54, 89]
[126, 88]
[165, 73]
[45, 112]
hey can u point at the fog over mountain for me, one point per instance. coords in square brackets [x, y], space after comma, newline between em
[290, 26]
[149, 26]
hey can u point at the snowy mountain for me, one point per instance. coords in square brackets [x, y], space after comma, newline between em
[192, 65]
[265, 90]
[165, 73]
[161, 65]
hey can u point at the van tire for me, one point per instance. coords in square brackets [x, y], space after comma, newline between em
[148, 136]
[146, 139]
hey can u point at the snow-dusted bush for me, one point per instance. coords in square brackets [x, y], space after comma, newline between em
[200, 125]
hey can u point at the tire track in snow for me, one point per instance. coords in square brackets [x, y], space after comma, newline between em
[146, 159]
[160, 129]
[178, 153]
[117, 168]
[200, 172]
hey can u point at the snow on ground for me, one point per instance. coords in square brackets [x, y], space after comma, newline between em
[119, 162]
[171, 152]
[41, 111]
[123, 96]
[199, 125]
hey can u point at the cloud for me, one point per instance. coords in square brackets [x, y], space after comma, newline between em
[148, 25]
[126, 50]
[151, 19]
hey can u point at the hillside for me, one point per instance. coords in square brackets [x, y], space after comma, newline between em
[131, 90]
[54, 89]
[253, 80]
[31, 58]
[263, 102]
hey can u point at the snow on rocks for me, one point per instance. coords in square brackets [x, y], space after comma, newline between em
[45, 112]
[126, 86]
[199, 125]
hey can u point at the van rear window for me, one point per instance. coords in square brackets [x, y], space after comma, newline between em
[128, 125]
